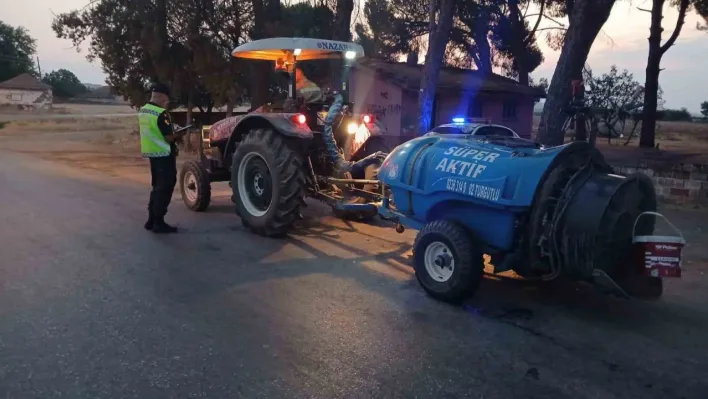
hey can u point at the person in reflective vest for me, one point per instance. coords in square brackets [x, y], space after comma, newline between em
[306, 89]
[157, 143]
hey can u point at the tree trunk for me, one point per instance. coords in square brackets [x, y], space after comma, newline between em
[651, 82]
[656, 52]
[586, 20]
[484, 62]
[343, 20]
[266, 18]
[517, 41]
[437, 42]
[229, 107]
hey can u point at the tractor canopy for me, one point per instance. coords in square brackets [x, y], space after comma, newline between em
[287, 52]
[301, 48]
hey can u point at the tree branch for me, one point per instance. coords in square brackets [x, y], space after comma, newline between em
[553, 28]
[683, 7]
[532, 34]
[555, 21]
[643, 9]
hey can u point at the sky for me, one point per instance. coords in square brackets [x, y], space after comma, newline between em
[623, 42]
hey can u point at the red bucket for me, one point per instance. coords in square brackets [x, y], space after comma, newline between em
[658, 256]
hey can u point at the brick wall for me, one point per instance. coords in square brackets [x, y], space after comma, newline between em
[680, 183]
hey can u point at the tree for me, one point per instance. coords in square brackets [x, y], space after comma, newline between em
[388, 32]
[343, 20]
[704, 109]
[267, 22]
[614, 97]
[17, 51]
[64, 83]
[586, 18]
[612, 90]
[439, 33]
[126, 37]
[542, 84]
[656, 52]
[184, 43]
[519, 31]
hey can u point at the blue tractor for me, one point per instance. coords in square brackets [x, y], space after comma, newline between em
[545, 213]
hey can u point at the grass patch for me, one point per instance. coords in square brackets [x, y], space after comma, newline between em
[3, 124]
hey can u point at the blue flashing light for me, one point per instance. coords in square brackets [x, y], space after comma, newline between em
[458, 120]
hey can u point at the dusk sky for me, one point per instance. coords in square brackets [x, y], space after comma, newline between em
[624, 43]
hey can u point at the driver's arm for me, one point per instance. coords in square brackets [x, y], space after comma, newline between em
[165, 126]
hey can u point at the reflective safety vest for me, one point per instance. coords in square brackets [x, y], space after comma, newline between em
[152, 142]
[309, 91]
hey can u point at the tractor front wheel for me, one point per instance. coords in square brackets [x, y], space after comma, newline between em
[448, 264]
[195, 186]
[267, 182]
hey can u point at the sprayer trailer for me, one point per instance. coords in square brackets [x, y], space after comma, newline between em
[546, 213]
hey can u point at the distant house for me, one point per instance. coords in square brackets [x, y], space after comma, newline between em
[27, 91]
[390, 90]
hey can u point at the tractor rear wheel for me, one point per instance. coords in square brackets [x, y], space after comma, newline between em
[267, 181]
[195, 186]
[448, 263]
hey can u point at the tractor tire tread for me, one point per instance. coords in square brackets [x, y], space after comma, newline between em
[291, 180]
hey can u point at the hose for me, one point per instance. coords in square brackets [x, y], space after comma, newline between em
[340, 164]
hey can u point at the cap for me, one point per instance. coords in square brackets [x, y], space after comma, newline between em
[160, 88]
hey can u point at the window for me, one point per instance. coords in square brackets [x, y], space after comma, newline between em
[509, 110]
[494, 131]
[16, 97]
[475, 109]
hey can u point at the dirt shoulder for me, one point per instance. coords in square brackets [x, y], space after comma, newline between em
[108, 144]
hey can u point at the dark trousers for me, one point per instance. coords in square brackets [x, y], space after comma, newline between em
[164, 179]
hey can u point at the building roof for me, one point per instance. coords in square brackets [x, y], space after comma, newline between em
[408, 77]
[24, 82]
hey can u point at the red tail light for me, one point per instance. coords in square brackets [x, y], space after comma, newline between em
[367, 119]
[299, 118]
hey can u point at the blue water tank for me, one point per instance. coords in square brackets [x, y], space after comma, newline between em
[484, 183]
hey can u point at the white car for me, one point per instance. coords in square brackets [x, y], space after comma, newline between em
[472, 127]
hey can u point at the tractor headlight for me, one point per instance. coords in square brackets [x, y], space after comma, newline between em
[352, 127]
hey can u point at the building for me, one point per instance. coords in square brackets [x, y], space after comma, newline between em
[389, 91]
[25, 91]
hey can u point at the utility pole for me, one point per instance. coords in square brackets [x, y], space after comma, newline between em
[39, 67]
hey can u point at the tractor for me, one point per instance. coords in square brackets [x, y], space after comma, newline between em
[280, 153]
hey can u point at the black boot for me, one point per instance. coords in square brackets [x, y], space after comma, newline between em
[161, 227]
[150, 223]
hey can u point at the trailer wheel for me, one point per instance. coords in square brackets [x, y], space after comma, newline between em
[195, 186]
[448, 264]
[268, 183]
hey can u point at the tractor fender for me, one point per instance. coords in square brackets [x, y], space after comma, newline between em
[281, 123]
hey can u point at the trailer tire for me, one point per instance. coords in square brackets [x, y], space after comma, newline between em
[267, 182]
[448, 263]
[195, 186]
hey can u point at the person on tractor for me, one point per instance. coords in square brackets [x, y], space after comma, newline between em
[307, 89]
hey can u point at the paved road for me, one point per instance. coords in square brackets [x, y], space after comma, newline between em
[92, 306]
